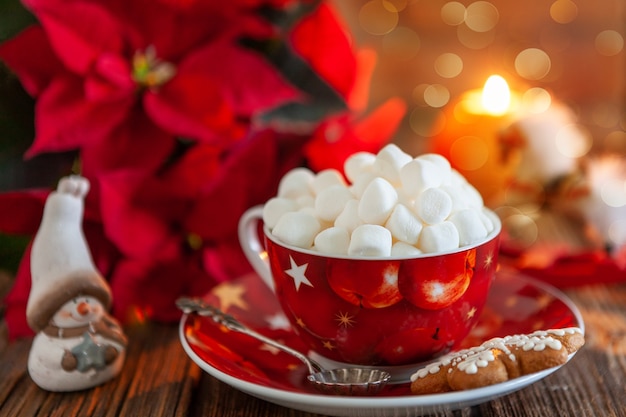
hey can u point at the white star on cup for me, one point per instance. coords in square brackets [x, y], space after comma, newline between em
[297, 273]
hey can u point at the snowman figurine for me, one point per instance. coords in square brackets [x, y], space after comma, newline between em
[77, 344]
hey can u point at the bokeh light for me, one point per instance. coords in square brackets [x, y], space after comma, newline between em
[397, 5]
[573, 141]
[436, 95]
[617, 232]
[453, 13]
[536, 100]
[609, 42]
[481, 16]
[521, 228]
[448, 65]
[605, 115]
[563, 11]
[613, 192]
[474, 40]
[532, 64]
[378, 17]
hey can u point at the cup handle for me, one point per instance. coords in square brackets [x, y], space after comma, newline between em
[252, 246]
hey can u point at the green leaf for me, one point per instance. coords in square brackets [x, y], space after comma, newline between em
[13, 18]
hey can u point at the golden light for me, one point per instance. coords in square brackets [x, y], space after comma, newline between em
[496, 96]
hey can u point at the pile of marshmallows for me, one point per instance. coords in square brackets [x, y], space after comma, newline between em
[395, 205]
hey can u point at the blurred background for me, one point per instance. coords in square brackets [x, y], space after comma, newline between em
[432, 51]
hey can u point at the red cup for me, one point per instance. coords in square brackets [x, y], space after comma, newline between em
[375, 311]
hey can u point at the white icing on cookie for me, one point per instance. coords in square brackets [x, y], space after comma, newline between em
[470, 360]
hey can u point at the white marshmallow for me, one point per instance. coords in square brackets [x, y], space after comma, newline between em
[443, 165]
[404, 197]
[377, 201]
[487, 222]
[458, 197]
[403, 225]
[325, 179]
[433, 205]
[357, 164]
[361, 182]
[334, 240]
[404, 250]
[469, 225]
[419, 175]
[331, 201]
[274, 209]
[297, 228]
[456, 178]
[349, 217]
[474, 199]
[439, 237]
[370, 240]
[389, 161]
[295, 183]
[305, 201]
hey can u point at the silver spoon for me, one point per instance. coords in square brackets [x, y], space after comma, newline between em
[344, 381]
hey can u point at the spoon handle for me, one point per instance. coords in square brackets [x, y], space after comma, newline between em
[202, 308]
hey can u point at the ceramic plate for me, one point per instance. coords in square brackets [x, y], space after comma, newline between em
[517, 304]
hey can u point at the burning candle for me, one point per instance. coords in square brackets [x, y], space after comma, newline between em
[501, 139]
[471, 135]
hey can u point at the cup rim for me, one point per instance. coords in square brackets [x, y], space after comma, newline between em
[491, 236]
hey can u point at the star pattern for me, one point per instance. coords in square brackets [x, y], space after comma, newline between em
[328, 345]
[89, 354]
[297, 273]
[471, 313]
[488, 260]
[231, 295]
[278, 321]
[344, 319]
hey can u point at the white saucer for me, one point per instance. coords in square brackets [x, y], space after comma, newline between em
[517, 304]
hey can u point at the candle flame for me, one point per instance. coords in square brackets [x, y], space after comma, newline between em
[496, 97]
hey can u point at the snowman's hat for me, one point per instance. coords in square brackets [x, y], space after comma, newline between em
[60, 261]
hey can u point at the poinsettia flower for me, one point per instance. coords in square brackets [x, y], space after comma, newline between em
[167, 131]
[108, 58]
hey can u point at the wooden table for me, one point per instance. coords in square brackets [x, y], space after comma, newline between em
[159, 379]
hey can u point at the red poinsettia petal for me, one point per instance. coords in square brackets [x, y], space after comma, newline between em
[380, 125]
[248, 177]
[64, 120]
[192, 171]
[110, 79]
[338, 138]
[148, 289]
[225, 260]
[249, 84]
[21, 211]
[194, 22]
[135, 230]
[25, 54]
[245, 173]
[192, 106]
[320, 38]
[78, 31]
[358, 99]
[137, 144]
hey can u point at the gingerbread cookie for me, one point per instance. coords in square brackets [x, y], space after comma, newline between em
[498, 360]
